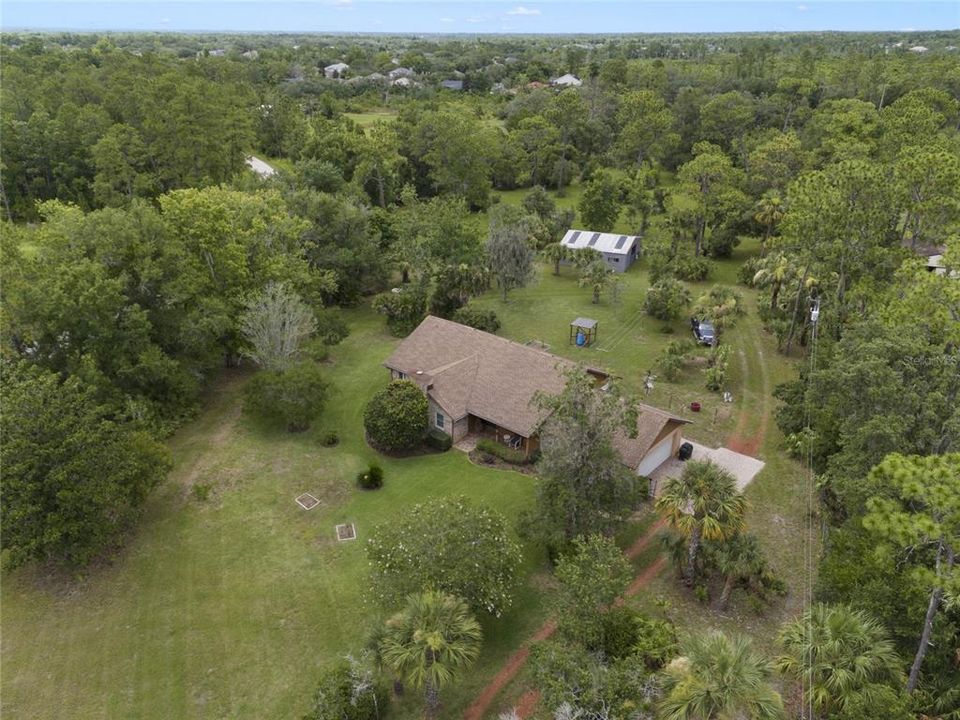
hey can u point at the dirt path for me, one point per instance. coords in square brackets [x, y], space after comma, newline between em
[529, 700]
[744, 438]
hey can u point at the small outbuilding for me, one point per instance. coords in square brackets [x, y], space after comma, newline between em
[583, 332]
[567, 80]
[619, 251]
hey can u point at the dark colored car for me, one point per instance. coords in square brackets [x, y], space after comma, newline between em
[703, 332]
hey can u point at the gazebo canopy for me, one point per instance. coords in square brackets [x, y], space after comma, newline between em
[585, 323]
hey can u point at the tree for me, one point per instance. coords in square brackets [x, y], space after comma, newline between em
[719, 678]
[726, 116]
[380, 163]
[429, 642]
[600, 202]
[275, 323]
[348, 691]
[598, 276]
[396, 417]
[555, 253]
[404, 309]
[74, 477]
[508, 252]
[427, 548]
[647, 127]
[666, 299]
[837, 652]
[591, 575]
[540, 142]
[738, 558]
[478, 318]
[293, 396]
[584, 487]
[703, 504]
[454, 285]
[769, 213]
[924, 510]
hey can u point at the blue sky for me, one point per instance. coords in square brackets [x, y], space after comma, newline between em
[492, 16]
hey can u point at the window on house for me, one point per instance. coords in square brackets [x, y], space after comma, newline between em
[440, 420]
[401, 375]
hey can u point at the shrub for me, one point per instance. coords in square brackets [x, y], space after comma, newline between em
[428, 546]
[688, 267]
[348, 691]
[701, 593]
[294, 396]
[666, 299]
[371, 478]
[717, 371]
[439, 440]
[330, 438]
[396, 417]
[404, 310]
[507, 454]
[331, 327]
[478, 318]
[656, 642]
[722, 305]
[316, 350]
[620, 631]
[201, 492]
[748, 271]
[673, 358]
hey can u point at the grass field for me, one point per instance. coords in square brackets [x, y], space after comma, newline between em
[227, 607]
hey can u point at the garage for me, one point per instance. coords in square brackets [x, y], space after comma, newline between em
[656, 456]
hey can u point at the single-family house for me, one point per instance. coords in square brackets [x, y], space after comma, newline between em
[335, 71]
[919, 49]
[619, 251]
[567, 80]
[484, 385]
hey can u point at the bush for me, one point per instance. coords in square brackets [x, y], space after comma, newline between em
[316, 350]
[666, 299]
[688, 267]
[429, 547]
[201, 492]
[656, 642]
[701, 593]
[478, 318]
[396, 417]
[404, 310]
[294, 396]
[348, 691]
[371, 478]
[331, 327]
[439, 440]
[330, 438]
[748, 271]
[620, 631]
[492, 447]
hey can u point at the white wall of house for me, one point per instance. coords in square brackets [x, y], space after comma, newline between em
[660, 453]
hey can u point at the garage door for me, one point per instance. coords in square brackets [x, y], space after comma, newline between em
[658, 455]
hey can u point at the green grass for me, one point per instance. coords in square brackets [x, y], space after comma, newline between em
[227, 608]
[368, 119]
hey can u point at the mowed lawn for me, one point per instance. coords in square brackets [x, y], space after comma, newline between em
[227, 607]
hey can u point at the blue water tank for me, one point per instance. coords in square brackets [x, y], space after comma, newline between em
[581, 338]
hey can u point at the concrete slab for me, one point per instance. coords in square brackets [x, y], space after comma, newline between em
[743, 467]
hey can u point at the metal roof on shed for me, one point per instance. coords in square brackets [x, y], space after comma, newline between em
[604, 242]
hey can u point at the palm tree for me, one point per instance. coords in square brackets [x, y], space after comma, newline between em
[769, 212]
[429, 641]
[773, 273]
[739, 557]
[703, 504]
[838, 651]
[719, 678]
[597, 276]
[555, 253]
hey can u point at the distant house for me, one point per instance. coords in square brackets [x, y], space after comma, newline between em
[404, 82]
[483, 385]
[935, 264]
[567, 80]
[400, 72]
[335, 71]
[452, 84]
[619, 251]
[919, 49]
[250, 55]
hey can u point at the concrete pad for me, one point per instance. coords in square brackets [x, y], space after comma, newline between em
[743, 467]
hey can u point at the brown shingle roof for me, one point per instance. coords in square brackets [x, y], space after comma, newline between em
[470, 371]
[653, 425]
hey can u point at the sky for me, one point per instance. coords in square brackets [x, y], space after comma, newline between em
[490, 16]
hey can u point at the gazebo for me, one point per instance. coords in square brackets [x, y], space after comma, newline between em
[583, 332]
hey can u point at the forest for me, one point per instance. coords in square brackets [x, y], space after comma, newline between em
[801, 182]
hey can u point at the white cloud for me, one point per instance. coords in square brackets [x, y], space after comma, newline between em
[521, 10]
[802, 8]
[446, 20]
[476, 19]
